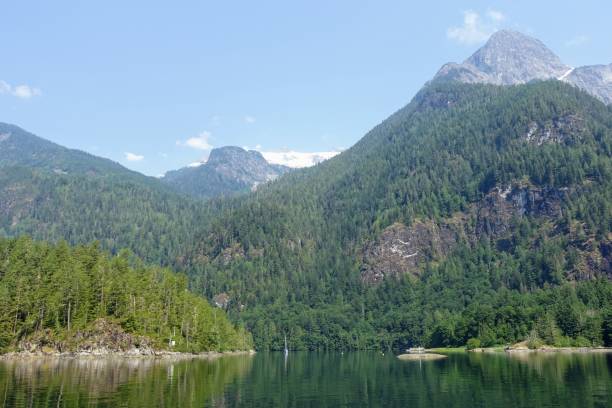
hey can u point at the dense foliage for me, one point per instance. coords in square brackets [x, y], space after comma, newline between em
[118, 212]
[290, 255]
[59, 290]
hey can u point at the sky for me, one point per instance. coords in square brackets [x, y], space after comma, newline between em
[156, 85]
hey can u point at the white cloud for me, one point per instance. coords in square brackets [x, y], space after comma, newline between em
[19, 91]
[133, 157]
[577, 41]
[195, 164]
[249, 119]
[475, 29]
[495, 15]
[199, 142]
[295, 159]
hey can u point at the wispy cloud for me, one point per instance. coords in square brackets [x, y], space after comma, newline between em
[19, 91]
[249, 119]
[199, 142]
[133, 157]
[475, 29]
[577, 40]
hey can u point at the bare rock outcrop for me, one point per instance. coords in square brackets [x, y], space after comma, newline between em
[401, 250]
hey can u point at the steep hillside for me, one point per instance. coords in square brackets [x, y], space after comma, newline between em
[469, 198]
[229, 170]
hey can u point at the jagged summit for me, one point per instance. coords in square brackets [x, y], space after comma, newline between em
[228, 170]
[510, 57]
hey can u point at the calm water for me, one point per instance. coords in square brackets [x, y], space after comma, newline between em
[313, 380]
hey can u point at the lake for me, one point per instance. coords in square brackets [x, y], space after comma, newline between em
[309, 379]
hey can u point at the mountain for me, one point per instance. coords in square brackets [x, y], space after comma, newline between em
[21, 148]
[477, 211]
[595, 79]
[510, 58]
[228, 170]
[50, 193]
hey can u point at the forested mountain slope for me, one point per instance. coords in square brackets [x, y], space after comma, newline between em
[475, 211]
[21, 148]
[58, 298]
[119, 212]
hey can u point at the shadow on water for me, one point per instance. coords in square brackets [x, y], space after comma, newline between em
[314, 380]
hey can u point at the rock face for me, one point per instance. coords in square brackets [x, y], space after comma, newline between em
[493, 215]
[510, 58]
[595, 79]
[564, 129]
[103, 337]
[401, 250]
[404, 250]
[228, 170]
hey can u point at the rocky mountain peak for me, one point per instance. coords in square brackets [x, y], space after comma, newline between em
[228, 170]
[234, 155]
[510, 57]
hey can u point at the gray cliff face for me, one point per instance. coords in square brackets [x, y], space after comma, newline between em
[511, 58]
[594, 79]
[229, 170]
[405, 250]
[508, 58]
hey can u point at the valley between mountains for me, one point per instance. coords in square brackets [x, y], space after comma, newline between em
[479, 212]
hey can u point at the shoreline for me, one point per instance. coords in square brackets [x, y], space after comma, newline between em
[544, 349]
[160, 354]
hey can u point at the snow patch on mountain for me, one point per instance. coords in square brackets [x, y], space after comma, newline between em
[294, 159]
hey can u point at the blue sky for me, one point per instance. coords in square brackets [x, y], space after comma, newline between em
[164, 81]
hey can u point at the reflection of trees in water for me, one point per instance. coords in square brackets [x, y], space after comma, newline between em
[465, 380]
[313, 379]
[111, 381]
[561, 365]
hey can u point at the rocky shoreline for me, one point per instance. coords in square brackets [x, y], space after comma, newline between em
[133, 353]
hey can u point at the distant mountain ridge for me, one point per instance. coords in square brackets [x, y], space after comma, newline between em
[228, 170]
[511, 58]
[19, 147]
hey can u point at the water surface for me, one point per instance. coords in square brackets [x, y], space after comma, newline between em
[312, 380]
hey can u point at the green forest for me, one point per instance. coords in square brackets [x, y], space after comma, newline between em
[51, 293]
[291, 255]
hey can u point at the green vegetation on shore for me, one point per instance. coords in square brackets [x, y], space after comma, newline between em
[51, 293]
